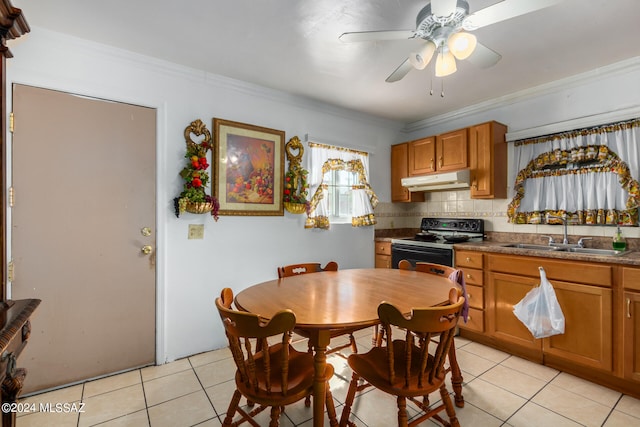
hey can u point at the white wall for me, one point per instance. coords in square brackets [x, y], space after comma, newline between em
[236, 251]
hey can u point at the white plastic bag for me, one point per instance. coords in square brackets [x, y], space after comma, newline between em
[540, 311]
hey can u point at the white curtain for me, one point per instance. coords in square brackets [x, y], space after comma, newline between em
[589, 175]
[325, 158]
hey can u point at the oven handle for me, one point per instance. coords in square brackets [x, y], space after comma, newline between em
[422, 250]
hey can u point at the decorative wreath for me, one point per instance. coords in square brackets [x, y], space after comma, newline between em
[296, 188]
[193, 198]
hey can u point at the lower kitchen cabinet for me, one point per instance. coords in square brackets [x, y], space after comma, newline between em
[383, 254]
[471, 264]
[588, 309]
[600, 302]
[631, 323]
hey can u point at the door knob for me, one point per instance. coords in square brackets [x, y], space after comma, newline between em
[146, 249]
[146, 231]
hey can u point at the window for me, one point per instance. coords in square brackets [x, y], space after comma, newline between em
[340, 191]
[339, 195]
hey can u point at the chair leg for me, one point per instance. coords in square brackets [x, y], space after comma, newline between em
[354, 345]
[233, 405]
[331, 407]
[351, 394]
[448, 405]
[275, 416]
[402, 412]
[456, 375]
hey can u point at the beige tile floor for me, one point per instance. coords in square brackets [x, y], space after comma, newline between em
[499, 390]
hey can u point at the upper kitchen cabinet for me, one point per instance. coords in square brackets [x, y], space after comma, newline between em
[446, 152]
[399, 170]
[452, 151]
[422, 156]
[488, 161]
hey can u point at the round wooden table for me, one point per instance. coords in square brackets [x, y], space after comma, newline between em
[344, 299]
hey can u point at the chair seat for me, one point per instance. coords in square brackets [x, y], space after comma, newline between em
[300, 377]
[373, 367]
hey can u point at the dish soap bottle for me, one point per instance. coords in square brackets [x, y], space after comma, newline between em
[619, 244]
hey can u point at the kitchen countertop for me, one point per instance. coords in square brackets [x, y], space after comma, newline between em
[630, 258]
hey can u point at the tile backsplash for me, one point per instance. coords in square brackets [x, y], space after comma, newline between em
[459, 204]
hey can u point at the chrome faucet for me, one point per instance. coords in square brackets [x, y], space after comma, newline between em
[565, 240]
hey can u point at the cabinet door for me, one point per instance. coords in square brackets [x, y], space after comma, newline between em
[452, 150]
[399, 170]
[587, 338]
[422, 156]
[488, 160]
[632, 335]
[505, 291]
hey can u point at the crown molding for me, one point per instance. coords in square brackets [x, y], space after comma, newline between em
[622, 67]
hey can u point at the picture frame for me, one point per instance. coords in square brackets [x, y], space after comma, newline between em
[248, 169]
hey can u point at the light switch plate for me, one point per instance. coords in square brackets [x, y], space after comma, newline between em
[196, 231]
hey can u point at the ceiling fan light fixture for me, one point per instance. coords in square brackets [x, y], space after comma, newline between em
[421, 58]
[462, 45]
[445, 64]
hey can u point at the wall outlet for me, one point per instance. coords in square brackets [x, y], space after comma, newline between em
[196, 231]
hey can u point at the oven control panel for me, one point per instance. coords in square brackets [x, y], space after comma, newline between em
[452, 224]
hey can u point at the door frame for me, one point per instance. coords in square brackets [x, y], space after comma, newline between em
[161, 198]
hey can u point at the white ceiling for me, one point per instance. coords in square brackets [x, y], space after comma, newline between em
[292, 45]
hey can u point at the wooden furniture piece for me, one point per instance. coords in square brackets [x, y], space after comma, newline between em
[471, 263]
[315, 267]
[15, 328]
[399, 170]
[406, 369]
[344, 299]
[273, 375]
[631, 324]
[488, 161]
[383, 254]
[480, 148]
[304, 268]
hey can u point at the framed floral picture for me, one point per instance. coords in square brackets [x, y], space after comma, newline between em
[249, 167]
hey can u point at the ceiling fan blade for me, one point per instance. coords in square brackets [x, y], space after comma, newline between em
[484, 57]
[367, 36]
[504, 10]
[400, 72]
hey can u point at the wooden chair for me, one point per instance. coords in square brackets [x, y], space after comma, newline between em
[315, 267]
[275, 376]
[405, 367]
[309, 267]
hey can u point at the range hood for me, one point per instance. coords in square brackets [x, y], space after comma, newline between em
[440, 181]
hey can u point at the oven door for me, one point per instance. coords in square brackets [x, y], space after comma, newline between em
[415, 254]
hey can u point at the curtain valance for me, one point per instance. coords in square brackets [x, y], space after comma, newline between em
[589, 175]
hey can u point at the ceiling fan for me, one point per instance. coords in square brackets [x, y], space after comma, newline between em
[444, 26]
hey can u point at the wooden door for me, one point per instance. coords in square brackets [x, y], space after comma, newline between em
[84, 180]
[422, 156]
[505, 291]
[632, 336]
[452, 151]
[399, 170]
[587, 338]
[488, 160]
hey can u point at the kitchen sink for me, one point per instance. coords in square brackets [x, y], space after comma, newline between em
[533, 246]
[593, 251]
[573, 249]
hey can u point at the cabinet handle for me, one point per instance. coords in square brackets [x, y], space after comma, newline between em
[469, 297]
[468, 276]
[440, 163]
[431, 167]
[468, 259]
[628, 308]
